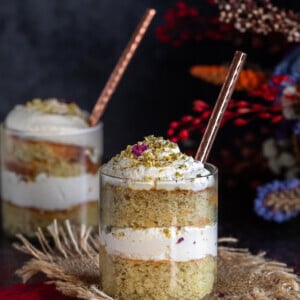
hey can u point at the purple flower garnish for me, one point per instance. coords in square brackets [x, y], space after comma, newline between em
[180, 240]
[138, 149]
[262, 193]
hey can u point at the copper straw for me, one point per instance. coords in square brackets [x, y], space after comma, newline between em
[120, 67]
[220, 106]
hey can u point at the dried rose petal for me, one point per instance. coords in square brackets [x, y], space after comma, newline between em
[180, 240]
[138, 149]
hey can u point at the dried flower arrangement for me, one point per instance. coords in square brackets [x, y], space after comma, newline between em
[185, 23]
[260, 16]
[272, 101]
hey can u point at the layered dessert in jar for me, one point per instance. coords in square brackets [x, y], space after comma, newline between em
[158, 223]
[50, 160]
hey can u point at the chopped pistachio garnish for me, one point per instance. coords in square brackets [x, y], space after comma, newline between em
[54, 106]
[156, 152]
[167, 232]
[182, 167]
[121, 234]
[177, 174]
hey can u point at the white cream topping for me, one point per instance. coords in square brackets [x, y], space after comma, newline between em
[55, 121]
[177, 244]
[49, 193]
[50, 116]
[161, 165]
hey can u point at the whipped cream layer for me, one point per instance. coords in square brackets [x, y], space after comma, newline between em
[156, 163]
[176, 244]
[49, 193]
[49, 116]
[54, 120]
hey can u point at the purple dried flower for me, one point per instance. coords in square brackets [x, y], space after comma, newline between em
[138, 149]
[180, 240]
[275, 186]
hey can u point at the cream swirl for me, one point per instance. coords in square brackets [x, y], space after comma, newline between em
[160, 165]
[48, 116]
[55, 121]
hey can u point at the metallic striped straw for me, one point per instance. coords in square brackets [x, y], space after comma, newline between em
[220, 106]
[120, 67]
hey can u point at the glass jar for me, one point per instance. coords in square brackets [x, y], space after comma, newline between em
[158, 242]
[49, 176]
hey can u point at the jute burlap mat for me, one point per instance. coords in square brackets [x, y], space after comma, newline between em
[70, 261]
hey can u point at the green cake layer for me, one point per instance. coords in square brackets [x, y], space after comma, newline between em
[157, 280]
[126, 207]
[16, 219]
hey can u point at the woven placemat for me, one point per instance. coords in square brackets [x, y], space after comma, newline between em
[69, 259]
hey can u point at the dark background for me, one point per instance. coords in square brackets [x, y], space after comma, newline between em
[68, 48]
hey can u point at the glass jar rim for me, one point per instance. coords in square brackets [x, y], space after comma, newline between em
[35, 134]
[212, 168]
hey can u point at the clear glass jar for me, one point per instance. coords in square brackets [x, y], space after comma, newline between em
[158, 242]
[49, 176]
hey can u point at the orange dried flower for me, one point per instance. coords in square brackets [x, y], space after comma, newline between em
[215, 74]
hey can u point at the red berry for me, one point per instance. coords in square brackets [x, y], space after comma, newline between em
[174, 124]
[186, 119]
[170, 15]
[199, 105]
[206, 114]
[211, 2]
[223, 122]
[243, 110]
[264, 115]
[181, 5]
[257, 106]
[289, 96]
[196, 121]
[193, 12]
[276, 119]
[182, 13]
[269, 97]
[228, 114]
[170, 132]
[276, 80]
[184, 134]
[242, 104]
[174, 139]
[161, 34]
[275, 108]
[240, 122]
